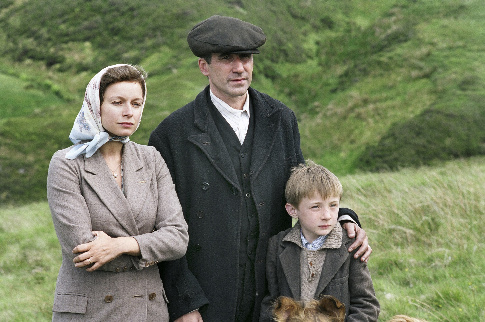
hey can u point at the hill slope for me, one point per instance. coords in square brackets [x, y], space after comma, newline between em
[374, 85]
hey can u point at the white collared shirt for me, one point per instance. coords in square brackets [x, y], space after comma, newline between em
[237, 119]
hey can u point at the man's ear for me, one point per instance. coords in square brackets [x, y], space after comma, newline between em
[291, 210]
[204, 66]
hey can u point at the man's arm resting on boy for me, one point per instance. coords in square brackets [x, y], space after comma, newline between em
[350, 222]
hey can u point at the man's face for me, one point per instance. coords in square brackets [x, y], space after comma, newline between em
[230, 75]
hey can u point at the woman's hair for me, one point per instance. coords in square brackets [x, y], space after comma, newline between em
[310, 178]
[123, 73]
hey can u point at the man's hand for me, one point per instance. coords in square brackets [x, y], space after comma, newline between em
[193, 316]
[353, 230]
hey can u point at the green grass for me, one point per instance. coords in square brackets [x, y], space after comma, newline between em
[29, 262]
[424, 225]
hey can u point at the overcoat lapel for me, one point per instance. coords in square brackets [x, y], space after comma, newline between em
[267, 120]
[98, 177]
[210, 141]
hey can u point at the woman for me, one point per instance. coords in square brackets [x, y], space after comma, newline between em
[114, 207]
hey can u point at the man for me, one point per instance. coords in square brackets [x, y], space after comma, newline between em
[229, 152]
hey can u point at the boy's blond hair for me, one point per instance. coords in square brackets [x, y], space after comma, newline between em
[310, 178]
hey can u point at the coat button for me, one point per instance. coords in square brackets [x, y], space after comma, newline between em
[152, 296]
[108, 298]
[205, 185]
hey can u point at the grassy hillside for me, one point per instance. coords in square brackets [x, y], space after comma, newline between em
[424, 227]
[375, 85]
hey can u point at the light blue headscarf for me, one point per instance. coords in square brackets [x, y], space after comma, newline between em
[88, 134]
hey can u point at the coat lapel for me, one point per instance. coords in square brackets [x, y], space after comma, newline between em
[100, 180]
[334, 259]
[267, 120]
[210, 141]
[290, 261]
[136, 180]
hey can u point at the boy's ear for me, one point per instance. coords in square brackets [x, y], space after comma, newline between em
[291, 210]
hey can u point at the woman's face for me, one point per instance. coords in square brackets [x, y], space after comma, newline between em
[122, 108]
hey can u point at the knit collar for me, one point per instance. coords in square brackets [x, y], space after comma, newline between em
[333, 239]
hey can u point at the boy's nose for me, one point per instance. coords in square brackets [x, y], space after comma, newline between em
[326, 214]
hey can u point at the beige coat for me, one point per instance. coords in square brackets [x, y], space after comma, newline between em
[83, 196]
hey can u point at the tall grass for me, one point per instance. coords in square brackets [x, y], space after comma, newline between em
[425, 229]
[424, 226]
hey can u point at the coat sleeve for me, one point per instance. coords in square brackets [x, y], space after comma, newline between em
[272, 290]
[364, 305]
[169, 239]
[183, 291]
[69, 210]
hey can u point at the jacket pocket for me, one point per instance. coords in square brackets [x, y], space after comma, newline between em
[71, 303]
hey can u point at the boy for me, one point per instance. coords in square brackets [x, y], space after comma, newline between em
[311, 259]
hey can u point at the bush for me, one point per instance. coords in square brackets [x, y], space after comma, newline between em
[431, 136]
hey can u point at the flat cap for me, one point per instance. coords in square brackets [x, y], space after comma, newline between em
[220, 34]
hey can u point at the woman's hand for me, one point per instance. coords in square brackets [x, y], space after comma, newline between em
[103, 249]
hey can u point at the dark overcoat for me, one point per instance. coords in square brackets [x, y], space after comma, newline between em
[211, 198]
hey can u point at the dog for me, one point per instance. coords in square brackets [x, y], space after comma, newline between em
[404, 318]
[326, 309]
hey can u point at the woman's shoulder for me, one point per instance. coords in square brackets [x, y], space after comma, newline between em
[60, 156]
[147, 153]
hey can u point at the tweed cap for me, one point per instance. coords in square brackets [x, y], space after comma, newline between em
[220, 34]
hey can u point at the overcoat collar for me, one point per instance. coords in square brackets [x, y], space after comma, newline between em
[211, 143]
[290, 259]
[135, 181]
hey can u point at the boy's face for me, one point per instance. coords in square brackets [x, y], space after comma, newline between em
[317, 216]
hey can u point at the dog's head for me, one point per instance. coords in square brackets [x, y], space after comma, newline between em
[326, 309]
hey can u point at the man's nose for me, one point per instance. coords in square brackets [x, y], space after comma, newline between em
[237, 65]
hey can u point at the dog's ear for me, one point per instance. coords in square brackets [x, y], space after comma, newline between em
[285, 308]
[331, 307]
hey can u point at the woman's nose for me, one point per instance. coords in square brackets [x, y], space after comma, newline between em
[127, 110]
